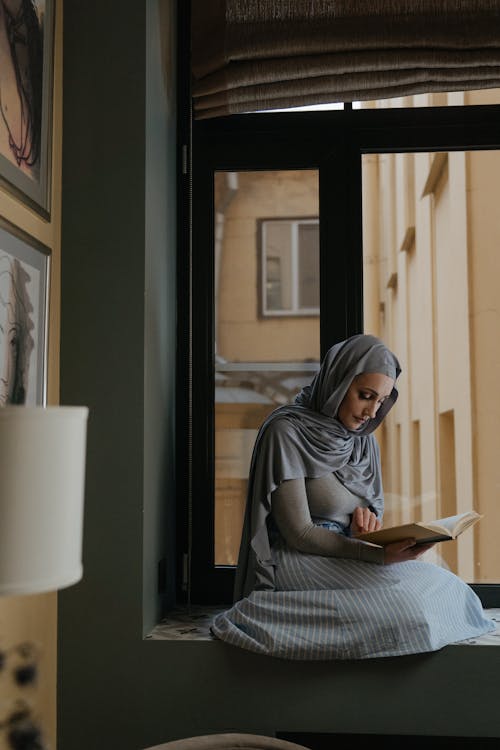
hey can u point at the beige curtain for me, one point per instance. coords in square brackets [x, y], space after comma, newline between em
[250, 55]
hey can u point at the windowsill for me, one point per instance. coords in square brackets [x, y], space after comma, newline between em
[187, 623]
[193, 624]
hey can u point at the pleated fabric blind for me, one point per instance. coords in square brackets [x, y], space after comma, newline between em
[250, 55]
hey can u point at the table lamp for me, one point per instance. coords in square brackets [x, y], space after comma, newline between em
[42, 478]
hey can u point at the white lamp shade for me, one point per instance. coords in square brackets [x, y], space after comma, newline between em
[42, 479]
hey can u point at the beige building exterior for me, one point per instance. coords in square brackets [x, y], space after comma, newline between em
[243, 334]
[431, 237]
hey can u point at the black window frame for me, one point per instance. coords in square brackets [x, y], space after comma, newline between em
[333, 142]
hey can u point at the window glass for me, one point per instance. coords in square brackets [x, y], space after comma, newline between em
[267, 338]
[431, 232]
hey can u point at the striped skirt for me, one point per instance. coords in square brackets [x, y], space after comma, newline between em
[333, 608]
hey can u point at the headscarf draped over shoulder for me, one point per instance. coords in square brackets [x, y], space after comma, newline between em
[306, 439]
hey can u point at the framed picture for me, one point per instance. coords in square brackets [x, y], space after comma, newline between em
[24, 280]
[26, 94]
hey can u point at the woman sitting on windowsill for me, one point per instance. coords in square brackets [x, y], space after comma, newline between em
[306, 588]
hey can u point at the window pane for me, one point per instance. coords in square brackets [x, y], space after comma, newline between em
[308, 265]
[431, 232]
[266, 266]
[277, 241]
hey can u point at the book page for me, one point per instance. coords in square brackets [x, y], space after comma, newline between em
[453, 525]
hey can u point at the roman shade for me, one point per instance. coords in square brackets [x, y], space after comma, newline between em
[250, 55]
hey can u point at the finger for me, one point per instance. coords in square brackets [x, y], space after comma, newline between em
[358, 516]
[362, 519]
[370, 519]
[406, 544]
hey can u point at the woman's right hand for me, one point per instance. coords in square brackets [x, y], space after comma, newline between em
[404, 551]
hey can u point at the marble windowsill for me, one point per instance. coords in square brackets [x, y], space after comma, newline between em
[187, 623]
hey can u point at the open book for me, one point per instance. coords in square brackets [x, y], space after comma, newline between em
[429, 531]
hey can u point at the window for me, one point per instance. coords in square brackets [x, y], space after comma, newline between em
[260, 361]
[290, 266]
[368, 268]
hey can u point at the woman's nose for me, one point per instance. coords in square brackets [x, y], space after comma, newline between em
[372, 409]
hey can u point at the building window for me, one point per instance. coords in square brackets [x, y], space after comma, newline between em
[289, 260]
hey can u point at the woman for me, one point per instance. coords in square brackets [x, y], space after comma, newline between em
[306, 588]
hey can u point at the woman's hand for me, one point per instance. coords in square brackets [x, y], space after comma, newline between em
[363, 519]
[404, 551]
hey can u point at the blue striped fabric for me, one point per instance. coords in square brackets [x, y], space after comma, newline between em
[331, 608]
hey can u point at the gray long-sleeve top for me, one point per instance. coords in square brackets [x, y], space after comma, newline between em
[296, 502]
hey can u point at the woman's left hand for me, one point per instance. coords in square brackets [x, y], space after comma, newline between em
[363, 519]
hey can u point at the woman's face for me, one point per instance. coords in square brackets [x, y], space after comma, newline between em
[363, 399]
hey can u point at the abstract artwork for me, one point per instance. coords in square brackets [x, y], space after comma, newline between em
[26, 82]
[24, 268]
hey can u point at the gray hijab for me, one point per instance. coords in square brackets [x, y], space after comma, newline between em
[306, 439]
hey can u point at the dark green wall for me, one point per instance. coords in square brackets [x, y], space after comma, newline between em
[118, 690]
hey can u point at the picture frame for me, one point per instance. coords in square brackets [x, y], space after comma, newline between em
[24, 303]
[26, 99]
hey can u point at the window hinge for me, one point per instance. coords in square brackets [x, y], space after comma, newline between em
[184, 152]
[185, 571]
